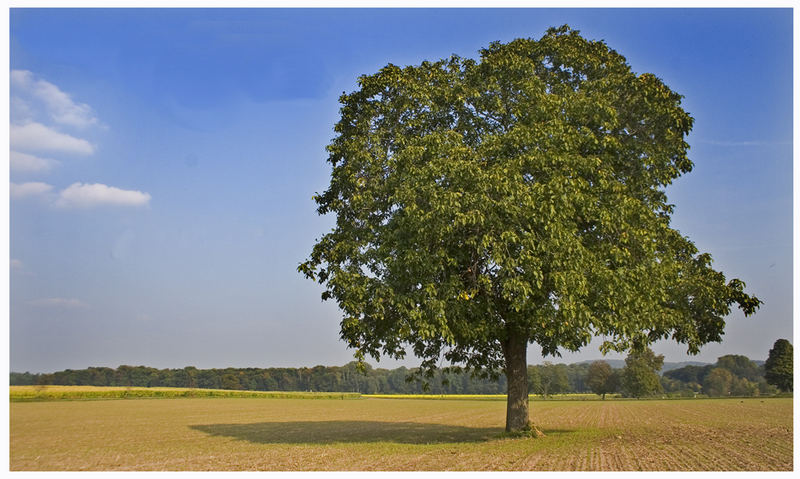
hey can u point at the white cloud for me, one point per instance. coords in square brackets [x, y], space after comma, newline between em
[37, 137]
[69, 303]
[18, 267]
[80, 195]
[57, 104]
[25, 190]
[20, 110]
[26, 163]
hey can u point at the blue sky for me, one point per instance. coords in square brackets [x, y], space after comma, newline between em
[163, 163]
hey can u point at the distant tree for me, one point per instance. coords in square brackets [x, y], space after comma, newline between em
[23, 379]
[740, 366]
[640, 376]
[190, 376]
[230, 381]
[534, 379]
[778, 369]
[743, 387]
[689, 374]
[614, 381]
[601, 378]
[718, 382]
[765, 388]
[576, 374]
[553, 379]
[685, 389]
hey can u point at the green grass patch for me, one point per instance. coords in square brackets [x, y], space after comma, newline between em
[57, 393]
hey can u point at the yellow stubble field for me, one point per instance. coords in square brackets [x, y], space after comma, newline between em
[274, 434]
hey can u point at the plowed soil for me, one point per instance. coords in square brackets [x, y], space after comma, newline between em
[399, 434]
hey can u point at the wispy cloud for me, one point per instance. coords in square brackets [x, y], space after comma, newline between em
[57, 105]
[37, 137]
[25, 163]
[18, 267]
[65, 303]
[30, 189]
[80, 195]
[39, 112]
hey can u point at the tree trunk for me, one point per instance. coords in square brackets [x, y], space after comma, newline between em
[515, 351]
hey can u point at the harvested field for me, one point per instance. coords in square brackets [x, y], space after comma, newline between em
[398, 434]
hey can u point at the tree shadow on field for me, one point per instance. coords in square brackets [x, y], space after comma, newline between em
[328, 432]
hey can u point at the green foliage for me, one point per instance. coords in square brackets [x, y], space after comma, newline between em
[602, 379]
[23, 379]
[519, 196]
[718, 382]
[534, 380]
[552, 379]
[686, 381]
[742, 387]
[55, 393]
[689, 374]
[640, 376]
[740, 366]
[319, 378]
[731, 375]
[779, 365]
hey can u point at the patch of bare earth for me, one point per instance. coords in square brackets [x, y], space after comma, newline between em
[399, 435]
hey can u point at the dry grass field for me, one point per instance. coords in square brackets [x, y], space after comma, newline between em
[398, 434]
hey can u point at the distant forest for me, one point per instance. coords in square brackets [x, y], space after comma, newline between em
[731, 375]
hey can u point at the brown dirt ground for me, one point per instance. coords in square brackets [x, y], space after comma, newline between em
[399, 434]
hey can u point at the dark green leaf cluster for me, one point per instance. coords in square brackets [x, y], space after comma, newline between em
[779, 366]
[520, 195]
[640, 376]
[602, 379]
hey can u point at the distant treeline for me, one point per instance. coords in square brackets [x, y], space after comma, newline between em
[731, 375]
[345, 378]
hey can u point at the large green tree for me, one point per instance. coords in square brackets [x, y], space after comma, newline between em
[484, 205]
[778, 369]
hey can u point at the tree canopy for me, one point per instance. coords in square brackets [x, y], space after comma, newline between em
[640, 377]
[602, 379]
[779, 366]
[482, 205]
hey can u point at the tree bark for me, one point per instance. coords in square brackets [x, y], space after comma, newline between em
[515, 352]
